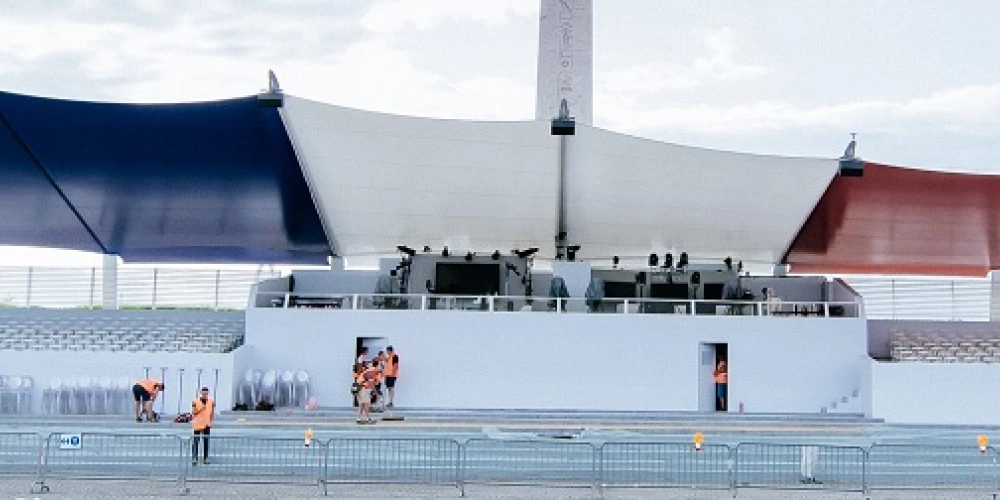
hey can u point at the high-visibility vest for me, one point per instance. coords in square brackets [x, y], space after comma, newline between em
[368, 378]
[721, 376]
[202, 414]
[150, 384]
[392, 366]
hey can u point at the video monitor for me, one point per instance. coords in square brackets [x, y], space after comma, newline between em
[677, 291]
[713, 291]
[461, 278]
[619, 289]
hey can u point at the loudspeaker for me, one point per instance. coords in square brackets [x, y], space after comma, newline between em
[852, 168]
[563, 127]
[270, 100]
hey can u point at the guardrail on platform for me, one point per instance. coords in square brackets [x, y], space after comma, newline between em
[518, 304]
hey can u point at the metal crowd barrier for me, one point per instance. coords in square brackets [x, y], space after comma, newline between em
[530, 463]
[19, 453]
[556, 463]
[794, 466]
[235, 459]
[392, 460]
[665, 465]
[900, 466]
[111, 456]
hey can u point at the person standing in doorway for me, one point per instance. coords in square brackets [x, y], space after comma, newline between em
[391, 371]
[202, 417]
[721, 385]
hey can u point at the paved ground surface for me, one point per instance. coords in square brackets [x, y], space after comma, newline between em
[590, 427]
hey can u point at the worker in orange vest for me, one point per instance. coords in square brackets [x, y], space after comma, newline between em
[721, 376]
[202, 416]
[145, 392]
[390, 371]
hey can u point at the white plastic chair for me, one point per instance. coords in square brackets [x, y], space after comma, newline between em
[106, 390]
[24, 397]
[11, 392]
[269, 386]
[3, 394]
[123, 395]
[286, 389]
[301, 388]
[52, 397]
[248, 387]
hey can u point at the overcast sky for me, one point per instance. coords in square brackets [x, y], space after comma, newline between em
[918, 80]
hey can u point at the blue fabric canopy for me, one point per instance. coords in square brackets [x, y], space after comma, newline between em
[195, 182]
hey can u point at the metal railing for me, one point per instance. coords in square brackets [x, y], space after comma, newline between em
[152, 288]
[145, 288]
[541, 462]
[514, 304]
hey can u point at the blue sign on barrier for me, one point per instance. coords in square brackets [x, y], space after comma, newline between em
[70, 441]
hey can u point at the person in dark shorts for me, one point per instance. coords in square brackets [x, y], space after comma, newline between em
[202, 417]
[145, 392]
[391, 371]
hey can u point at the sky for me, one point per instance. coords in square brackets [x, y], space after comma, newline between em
[917, 80]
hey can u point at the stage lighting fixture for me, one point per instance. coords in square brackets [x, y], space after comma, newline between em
[668, 260]
[683, 262]
[406, 250]
[445, 252]
[729, 263]
[427, 249]
[640, 278]
[571, 252]
[653, 260]
[696, 278]
[469, 256]
[615, 260]
[496, 255]
[524, 254]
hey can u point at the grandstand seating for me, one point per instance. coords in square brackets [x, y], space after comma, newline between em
[116, 333]
[945, 347]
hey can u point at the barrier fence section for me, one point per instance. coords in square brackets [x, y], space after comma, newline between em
[20, 453]
[795, 466]
[530, 463]
[235, 459]
[556, 463]
[665, 465]
[900, 466]
[111, 456]
[392, 460]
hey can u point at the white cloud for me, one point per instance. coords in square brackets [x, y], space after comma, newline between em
[973, 110]
[388, 16]
[720, 63]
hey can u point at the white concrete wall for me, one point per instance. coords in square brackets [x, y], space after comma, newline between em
[936, 393]
[42, 366]
[460, 359]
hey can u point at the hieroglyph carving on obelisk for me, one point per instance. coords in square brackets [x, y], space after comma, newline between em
[565, 59]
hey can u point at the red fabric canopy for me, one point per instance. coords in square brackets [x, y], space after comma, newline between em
[897, 220]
